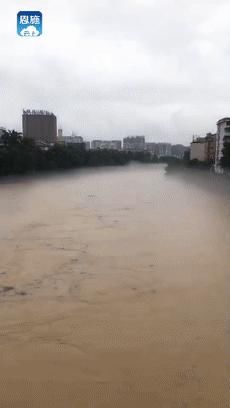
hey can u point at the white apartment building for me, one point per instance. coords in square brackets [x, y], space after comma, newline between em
[223, 133]
[106, 144]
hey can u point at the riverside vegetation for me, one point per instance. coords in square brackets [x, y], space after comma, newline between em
[19, 155]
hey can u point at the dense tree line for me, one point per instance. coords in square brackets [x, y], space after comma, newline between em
[20, 156]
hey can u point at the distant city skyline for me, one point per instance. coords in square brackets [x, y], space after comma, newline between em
[73, 133]
[153, 68]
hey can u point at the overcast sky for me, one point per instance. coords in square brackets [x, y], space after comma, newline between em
[112, 68]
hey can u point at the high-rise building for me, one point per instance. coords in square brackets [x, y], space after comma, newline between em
[222, 136]
[39, 125]
[164, 149]
[60, 133]
[134, 143]
[151, 148]
[210, 147]
[178, 151]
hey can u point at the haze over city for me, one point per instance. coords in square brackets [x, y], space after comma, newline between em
[108, 70]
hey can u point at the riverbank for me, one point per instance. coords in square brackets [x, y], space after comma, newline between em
[204, 178]
[22, 156]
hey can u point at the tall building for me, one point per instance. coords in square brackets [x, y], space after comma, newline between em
[87, 146]
[134, 143]
[210, 147]
[164, 149]
[60, 133]
[222, 136]
[106, 144]
[39, 125]
[151, 148]
[178, 151]
[2, 130]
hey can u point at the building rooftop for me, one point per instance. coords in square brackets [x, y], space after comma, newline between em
[37, 112]
[223, 120]
[199, 140]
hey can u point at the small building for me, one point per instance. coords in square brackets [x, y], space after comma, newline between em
[2, 130]
[66, 140]
[106, 144]
[203, 148]
[198, 149]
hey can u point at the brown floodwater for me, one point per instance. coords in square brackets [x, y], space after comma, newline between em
[114, 290]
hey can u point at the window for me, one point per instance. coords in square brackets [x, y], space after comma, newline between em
[226, 139]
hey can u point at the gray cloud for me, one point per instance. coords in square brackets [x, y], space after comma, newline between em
[108, 69]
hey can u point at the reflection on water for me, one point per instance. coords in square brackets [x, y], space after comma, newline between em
[114, 290]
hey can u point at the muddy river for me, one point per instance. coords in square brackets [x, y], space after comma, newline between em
[114, 290]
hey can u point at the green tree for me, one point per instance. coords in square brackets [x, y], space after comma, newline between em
[11, 138]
